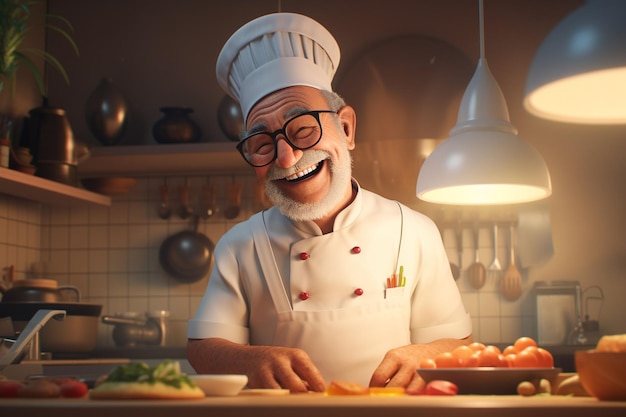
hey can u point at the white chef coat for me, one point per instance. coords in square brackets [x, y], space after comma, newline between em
[327, 293]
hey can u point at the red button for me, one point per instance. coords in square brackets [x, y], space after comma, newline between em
[304, 295]
[304, 256]
[358, 291]
[356, 249]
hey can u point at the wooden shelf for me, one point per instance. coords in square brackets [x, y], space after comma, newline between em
[128, 161]
[45, 191]
[163, 159]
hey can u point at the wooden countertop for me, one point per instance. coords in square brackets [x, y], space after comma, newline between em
[305, 405]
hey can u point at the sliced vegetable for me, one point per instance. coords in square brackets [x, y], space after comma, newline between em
[441, 387]
[74, 389]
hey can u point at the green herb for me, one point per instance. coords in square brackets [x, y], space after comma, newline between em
[167, 372]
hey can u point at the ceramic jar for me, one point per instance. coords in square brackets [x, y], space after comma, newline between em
[176, 126]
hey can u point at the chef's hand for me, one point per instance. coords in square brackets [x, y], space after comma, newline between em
[280, 367]
[265, 366]
[399, 366]
[398, 369]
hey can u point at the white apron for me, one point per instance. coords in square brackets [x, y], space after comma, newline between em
[346, 343]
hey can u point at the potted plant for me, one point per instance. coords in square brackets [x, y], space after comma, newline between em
[17, 19]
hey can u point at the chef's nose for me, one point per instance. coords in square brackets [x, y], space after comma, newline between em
[286, 156]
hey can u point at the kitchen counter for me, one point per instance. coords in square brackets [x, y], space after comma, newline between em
[303, 405]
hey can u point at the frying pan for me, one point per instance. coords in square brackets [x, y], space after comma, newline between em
[187, 256]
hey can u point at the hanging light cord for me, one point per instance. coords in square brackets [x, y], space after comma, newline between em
[482, 29]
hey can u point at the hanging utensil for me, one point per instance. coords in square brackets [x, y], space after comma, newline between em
[208, 206]
[458, 232]
[164, 211]
[187, 255]
[454, 268]
[494, 269]
[477, 272]
[233, 200]
[511, 281]
[185, 209]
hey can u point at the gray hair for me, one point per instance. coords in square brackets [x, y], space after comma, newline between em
[334, 100]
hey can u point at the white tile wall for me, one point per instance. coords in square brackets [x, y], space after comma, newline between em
[111, 255]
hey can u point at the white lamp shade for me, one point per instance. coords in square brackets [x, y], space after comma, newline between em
[483, 162]
[578, 75]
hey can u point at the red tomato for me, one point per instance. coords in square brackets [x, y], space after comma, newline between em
[509, 350]
[523, 342]
[476, 346]
[447, 360]
[527, 358]
[462, 352]
[74, 389]
[427, 363]
[510, 360]
[10, 389]
[440, 387]
[470, 362]
[491, 356]
[546, 359]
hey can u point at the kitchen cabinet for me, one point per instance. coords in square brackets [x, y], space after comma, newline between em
[164, 159]
[38, 189]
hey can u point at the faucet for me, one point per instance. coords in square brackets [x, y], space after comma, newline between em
[30, 333]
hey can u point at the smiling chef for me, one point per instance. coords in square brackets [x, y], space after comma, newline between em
[333, 282]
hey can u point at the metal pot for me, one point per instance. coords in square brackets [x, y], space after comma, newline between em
[77, 333]
[132, 328]
[187, 255]
[39, 291]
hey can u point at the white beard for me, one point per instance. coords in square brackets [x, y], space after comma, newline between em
[341, 174]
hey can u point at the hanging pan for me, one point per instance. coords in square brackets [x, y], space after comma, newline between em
[187, 256]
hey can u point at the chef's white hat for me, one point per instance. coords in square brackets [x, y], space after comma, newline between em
[273, 52]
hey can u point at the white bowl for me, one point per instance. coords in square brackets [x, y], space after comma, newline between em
[220, 385]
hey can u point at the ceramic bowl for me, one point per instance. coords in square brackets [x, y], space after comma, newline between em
[220, 385]
[109, 185]
[602, 374]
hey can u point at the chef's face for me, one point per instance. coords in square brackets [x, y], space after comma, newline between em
[316, 182]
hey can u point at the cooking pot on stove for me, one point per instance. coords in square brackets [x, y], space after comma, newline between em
[39, 290]
[77, 333]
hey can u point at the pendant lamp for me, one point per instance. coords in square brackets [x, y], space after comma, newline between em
[578, 74]
[483, 162]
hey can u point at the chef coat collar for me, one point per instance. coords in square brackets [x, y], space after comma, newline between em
[344, 219]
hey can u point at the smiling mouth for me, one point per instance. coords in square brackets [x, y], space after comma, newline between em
[305, 173]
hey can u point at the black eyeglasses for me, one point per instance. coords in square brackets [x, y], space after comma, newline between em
[301, 132]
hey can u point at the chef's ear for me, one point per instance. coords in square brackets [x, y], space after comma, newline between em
[347, 120]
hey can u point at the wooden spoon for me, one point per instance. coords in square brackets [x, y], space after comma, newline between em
[511, 281]
[477, 272]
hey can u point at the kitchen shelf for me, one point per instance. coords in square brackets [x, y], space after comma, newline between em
[163, 159]
[34, 188]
